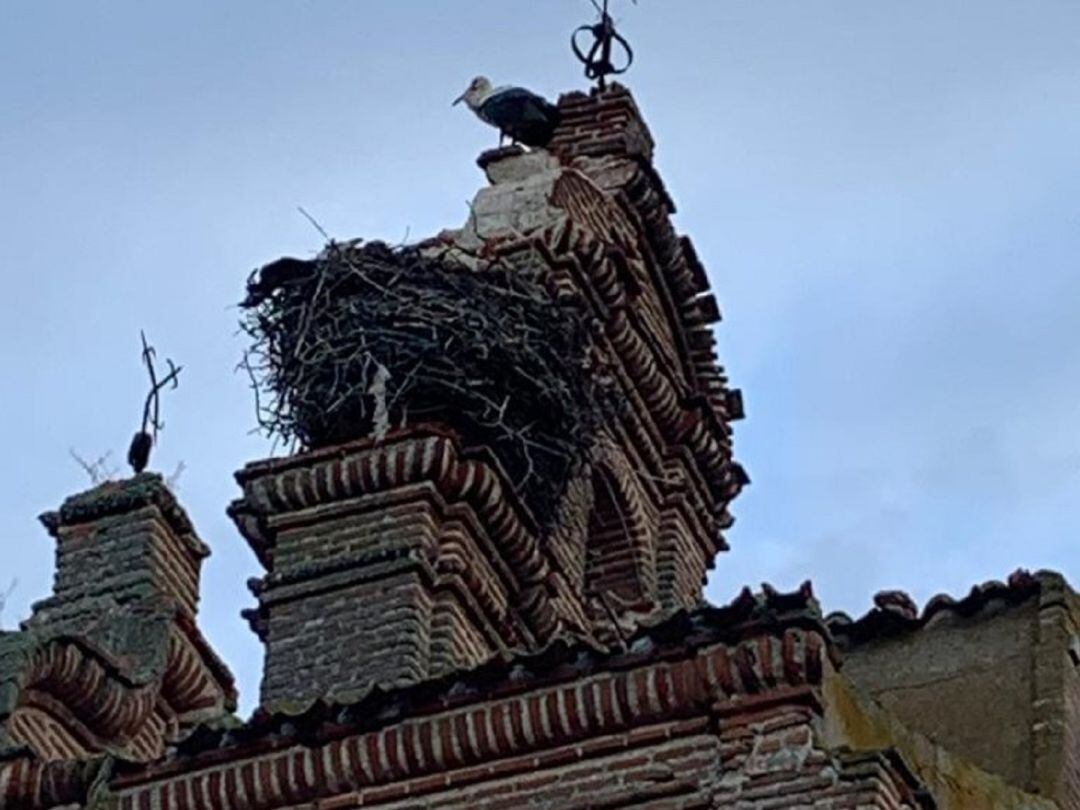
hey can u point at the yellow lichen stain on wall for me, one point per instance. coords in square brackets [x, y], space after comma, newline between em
[859, 723]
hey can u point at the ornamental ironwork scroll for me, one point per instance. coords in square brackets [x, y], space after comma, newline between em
[609, 55]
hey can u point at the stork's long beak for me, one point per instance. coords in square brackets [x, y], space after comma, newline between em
[459, 99]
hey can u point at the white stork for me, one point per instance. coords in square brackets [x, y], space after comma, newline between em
[517, 113]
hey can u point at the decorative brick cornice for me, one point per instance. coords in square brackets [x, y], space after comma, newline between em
[29, 784]
[747, 618]
[645, 283]
[367, 466]
[433, 524]
[476, 728]
[712, 662]
[194, 672]
[88, 691]
[889, 765]
[92, 686]
[681, 279]
[282, 490]
[618, 245]
[682, 417]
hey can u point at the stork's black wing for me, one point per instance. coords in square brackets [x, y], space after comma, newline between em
[524, 116]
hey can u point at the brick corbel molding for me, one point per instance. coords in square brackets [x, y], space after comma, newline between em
[486, 731]
[30, 784]
[682, 417]
[85, 691]
[275, 491]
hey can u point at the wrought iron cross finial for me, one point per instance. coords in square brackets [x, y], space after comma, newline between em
[139, 452]
[598, 60]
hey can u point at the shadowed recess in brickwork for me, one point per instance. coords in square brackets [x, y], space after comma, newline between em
[366, 338]
[612, 565]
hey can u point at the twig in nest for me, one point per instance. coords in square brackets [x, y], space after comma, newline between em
[313, 222]
[343, 345]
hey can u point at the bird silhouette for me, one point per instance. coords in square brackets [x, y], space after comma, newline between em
[139, 451]
[517, 113]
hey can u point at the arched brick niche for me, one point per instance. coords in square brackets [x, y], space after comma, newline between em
[619, 558]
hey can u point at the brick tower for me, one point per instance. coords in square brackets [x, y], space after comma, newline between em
[112, 665]
[402, 556]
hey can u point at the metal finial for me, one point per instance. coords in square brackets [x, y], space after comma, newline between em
[139, 452]
[598, 61]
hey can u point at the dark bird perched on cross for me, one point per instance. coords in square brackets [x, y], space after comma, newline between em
[517, 113]
[143, 441]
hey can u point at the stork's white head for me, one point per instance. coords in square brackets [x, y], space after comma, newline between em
[478, 90]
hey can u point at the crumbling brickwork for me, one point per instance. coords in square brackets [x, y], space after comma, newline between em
[112, 662]
[640, 515]
[119, 543]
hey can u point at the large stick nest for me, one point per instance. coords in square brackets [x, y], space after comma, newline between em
[365, 339]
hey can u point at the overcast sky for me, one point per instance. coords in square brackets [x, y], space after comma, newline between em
[886, 196]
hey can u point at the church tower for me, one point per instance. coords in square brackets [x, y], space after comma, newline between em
[510, 468]
[529, 435]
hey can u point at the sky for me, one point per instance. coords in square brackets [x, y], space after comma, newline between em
[886, 197]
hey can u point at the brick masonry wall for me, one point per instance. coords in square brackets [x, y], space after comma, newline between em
[595, 126]
[746, 723]
[763, 754]
[348, 602]
[382, 593]
[387, 564]
[121, 557]
[346, 639]
[772, 758]
[680, 562]
[602, 217]
[123, 540]
[659, 302]
[495, 583]
[113, 660]
[489, 727]
[674, 765]
[456, 641]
